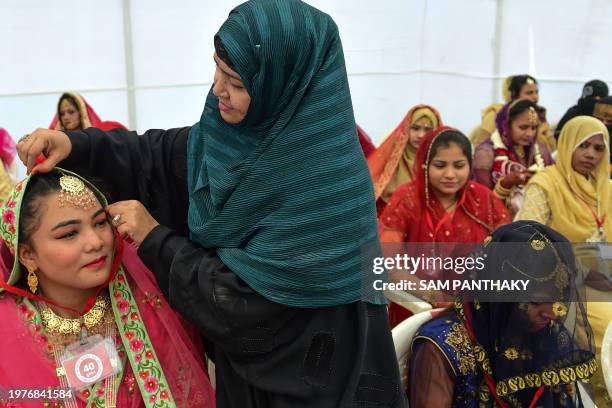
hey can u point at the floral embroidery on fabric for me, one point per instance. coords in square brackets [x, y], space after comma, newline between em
[152, 300]
[458, 339]
[511, 353]
[139, 349]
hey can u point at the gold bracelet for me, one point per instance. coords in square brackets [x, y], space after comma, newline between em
[500, 190]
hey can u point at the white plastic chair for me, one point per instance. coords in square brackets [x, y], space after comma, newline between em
[587, 401]
[407, 301]
[402, 339]
[606, 358]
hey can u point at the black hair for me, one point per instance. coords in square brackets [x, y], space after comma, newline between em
[448, 137]
[222, 52]
[520, 107]
[516, 84]
[39, 187]
[605, 101]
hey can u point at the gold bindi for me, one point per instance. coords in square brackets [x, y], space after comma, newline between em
[75, 194]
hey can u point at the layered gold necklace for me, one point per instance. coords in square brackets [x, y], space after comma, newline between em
[55, 324]
[62, 331]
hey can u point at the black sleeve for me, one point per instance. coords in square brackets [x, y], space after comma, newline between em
[150, 168]
[205, 291]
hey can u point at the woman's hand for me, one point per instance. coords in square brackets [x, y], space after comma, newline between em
[516, 178]
[53, 144]
[132, 219]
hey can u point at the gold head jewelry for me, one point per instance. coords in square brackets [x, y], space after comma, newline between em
[533, 115]
[62, 325]
[66, 103]
[560, 273]
[32, 279]
[75, 194]
[530, 81]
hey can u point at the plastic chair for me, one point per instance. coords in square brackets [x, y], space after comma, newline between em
[402, 339]
[587, 401]
[407, 301]
[606, 358]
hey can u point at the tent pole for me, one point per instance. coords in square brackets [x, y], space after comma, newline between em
[129, 65]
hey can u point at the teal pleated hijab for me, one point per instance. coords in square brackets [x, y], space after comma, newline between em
[285, 196]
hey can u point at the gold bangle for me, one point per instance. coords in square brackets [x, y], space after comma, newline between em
[502, 191]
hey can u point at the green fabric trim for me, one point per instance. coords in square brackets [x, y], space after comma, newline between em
[147, 370]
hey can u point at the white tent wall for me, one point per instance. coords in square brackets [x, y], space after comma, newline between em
[148, 63]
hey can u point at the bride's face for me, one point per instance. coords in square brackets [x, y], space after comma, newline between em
[71, 248]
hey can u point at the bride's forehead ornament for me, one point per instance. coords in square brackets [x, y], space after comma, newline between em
[75, 194]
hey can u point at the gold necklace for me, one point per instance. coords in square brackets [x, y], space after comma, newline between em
[62, 325]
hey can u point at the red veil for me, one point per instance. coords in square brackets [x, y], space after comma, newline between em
[89, 117]
[366, 143]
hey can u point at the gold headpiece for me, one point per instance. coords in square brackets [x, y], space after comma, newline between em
[75, 194]
[533, 115]
[560, 274]
[530, 81]
[66, 103]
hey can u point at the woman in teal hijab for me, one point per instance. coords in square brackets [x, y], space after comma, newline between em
[274, 193]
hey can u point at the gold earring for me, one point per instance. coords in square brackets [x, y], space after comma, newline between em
[32, 279]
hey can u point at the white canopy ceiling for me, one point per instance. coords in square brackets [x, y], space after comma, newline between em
[148, 63]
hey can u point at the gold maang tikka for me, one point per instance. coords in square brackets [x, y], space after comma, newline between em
[533, 115]
[75, 194]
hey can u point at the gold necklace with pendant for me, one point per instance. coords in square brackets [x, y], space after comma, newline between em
[55, 324]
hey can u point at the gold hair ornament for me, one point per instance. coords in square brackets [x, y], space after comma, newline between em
[533, 115]
[75, 194]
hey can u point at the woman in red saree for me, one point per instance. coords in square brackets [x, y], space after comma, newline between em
[391, 164]
[442, 205]
[74, 113]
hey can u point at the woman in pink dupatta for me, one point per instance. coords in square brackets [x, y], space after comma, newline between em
[161, 355]
[75, 113]
[8, 174]
[8, 151]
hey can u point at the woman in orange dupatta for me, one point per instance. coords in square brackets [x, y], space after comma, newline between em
[442, 205]
[391, 164]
